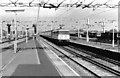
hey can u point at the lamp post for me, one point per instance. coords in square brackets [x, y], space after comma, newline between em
[15, 42]
[88, 30]
[27, 28]
[15, 12]
[113, 41]
[38, 14]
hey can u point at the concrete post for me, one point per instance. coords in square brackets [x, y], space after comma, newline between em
[88, 30]
[15, 42]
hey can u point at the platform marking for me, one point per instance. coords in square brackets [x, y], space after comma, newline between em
[52, 61]
[38, 60]
[63, 61]
[14, 56]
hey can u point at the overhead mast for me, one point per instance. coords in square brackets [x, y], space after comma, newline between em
[38, 14]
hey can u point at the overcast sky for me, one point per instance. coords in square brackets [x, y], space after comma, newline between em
[68, 13]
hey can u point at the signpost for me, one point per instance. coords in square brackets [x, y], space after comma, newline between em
[9, 30]
[35, 31]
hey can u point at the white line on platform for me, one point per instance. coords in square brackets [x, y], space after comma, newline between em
[38, 60]
[9, 61]
[63, 62]
[51, 61]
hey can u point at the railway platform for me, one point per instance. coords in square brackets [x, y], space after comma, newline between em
[32, 60]
[96, 44]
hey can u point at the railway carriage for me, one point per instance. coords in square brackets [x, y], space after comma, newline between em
[60, 35]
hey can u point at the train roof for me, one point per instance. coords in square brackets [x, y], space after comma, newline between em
[55, 30]
[60, 30]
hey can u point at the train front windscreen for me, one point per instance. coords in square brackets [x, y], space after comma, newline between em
[63, 35]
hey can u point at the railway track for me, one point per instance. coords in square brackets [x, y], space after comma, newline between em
[63, 54]
[97, 56]
[95, 75]
[117, 73]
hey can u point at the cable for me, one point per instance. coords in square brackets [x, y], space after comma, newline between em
[70, 8]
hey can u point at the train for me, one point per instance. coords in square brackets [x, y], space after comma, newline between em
[106, 37]
[83, 34]
[58, 36]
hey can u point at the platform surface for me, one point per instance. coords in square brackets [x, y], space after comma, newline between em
[26, 62]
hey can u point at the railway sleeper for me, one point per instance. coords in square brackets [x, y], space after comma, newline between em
[90, 57]
[63, 56]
